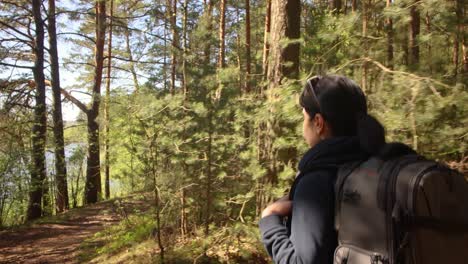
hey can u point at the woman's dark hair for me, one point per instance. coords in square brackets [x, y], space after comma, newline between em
[343, 105]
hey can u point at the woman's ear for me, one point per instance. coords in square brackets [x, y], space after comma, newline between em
[323, 131]
[319, 123]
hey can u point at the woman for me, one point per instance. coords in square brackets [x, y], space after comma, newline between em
[338, 130]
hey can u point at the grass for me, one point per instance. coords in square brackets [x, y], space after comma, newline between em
[132, 241]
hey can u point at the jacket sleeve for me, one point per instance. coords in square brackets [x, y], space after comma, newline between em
[313, 238]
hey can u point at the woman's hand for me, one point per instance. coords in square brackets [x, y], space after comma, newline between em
[282, 207]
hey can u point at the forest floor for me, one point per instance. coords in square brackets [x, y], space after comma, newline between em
[57, 239]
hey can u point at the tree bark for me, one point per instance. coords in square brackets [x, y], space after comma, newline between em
[429, 46]
[171, 6]
[222, 34]
[413, 36]
[106, 108]
[184, 61]
[266, 40]
[247, 46]
[62, 202]
[38, 172]
[285, 26]
[208, 13]
[457, 36]
[353, 6]
[464, 29]
[336, 6]
[389, 28]
[93, 171]
[209, 172]
[130, 55]
[465, 55]
[282, 64]
[365, 10]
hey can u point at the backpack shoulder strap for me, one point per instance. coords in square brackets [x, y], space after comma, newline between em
[343, 172]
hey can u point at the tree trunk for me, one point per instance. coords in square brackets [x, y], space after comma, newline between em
[365, 10]
[38, 172]
[285, 26]
[60, 165]
[171, 6]
[429, 46]
[106, 108]
[222, 34]
[130, 58]
[354, 6]
[184, 62]
[457, 36]
[389, 27]
[465, 55]
[455, 54]
[208, 13]
[413, 36]
[153, 149]
[209, 172]
[336, 6]
[464, 33]
[47, 197]
[283, 63]
[266, 40]
[93, 171]
[247, 46]
[183, 214]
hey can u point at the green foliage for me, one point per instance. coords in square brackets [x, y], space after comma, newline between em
[217, 155]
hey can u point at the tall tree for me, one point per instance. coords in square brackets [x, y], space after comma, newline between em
[93, 169]
[222, 34]
[458, 36]
[283, 63]
[365, 20]
[171, 7]
[38, 172]
[464, 39]
[106, 102]
[60, 165]
[266, 40]
[208, 15]
[185, 47]
[127, 34]
[247, 46]
[335, 5]
[93, 188]
[428, 44]
[285, 27]
[389, 29]
[414, 30]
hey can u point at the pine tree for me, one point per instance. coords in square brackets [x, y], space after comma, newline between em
[38, 173]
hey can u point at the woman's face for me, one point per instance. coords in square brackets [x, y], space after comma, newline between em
[309, 131]
[314, 129]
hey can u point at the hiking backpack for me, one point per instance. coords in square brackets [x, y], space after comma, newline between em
[404, 210]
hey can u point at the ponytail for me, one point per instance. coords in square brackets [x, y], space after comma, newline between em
[371, 134]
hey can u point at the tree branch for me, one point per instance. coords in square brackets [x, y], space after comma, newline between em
[128, 71]
[385, 69]
[75, 101]
[17, 5]
[77, 34]
[16, 30]
[135, 61]
[73, 12]
[16, 66]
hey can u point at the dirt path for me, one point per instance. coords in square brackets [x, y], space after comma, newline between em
[58, 241]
